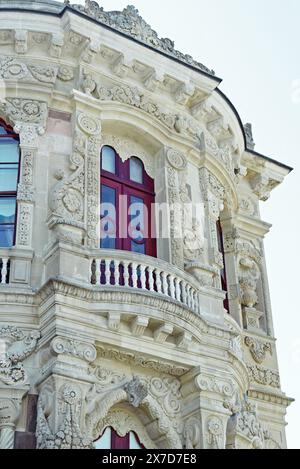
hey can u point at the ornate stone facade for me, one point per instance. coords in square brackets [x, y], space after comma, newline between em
[156, 353]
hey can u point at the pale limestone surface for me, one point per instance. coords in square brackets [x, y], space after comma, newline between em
[171, 365]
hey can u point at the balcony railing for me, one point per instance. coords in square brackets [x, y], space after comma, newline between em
[144, 273]
[4, 268]
[15, 266]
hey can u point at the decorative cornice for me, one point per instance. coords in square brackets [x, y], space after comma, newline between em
[141, 360]
[269, 397]
[130, 23]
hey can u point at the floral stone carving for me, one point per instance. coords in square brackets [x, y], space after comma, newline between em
[17, 347]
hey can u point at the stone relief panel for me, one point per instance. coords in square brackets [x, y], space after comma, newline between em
[264, 376]
[18, 346]
[68, 434]
[74, 198]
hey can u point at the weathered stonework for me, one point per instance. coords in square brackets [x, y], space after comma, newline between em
[155, 351]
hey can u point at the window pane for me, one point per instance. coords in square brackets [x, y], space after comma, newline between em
[134, 444]
[104, 441]
[109, 159]
[7, 209]
[108, 217]
[136, 170]
[8, 177]
[9, 151]
[6, 235]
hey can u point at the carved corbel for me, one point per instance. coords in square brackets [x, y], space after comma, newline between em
[56, 45]
[260, 186]
[152, 80]
[183, 93]
[91, 50]
[21, 41]
[121, 66]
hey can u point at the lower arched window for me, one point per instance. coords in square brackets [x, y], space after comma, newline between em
[111, 440]
[127, 195]
[9, 177]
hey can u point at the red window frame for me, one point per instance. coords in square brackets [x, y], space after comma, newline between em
[223, 270]
[123, 185]
[11, 194]
[120, 442]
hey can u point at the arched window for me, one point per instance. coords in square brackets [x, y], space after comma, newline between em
[127, 195]
[9, 177]
[111, 440]
[223, 271]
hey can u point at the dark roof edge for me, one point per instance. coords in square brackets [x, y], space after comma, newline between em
[253, 152]
[67, 7]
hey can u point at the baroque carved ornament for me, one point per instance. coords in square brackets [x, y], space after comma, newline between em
[258, 349]
[132, 24]
[17, 347]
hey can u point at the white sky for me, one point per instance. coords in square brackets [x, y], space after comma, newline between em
[254, 46]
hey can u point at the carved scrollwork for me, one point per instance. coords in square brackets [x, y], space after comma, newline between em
[126, 148]
[25, 110]
[61, 345]
[18, 347]
[131, 23]
[264, 376]
[258, 349]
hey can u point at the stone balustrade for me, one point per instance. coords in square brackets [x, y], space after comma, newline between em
[15, 266]
[128, 270]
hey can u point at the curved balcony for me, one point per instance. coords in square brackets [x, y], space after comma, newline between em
[122, 269]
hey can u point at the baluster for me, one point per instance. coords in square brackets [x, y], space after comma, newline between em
[188, 297]
[4, 269]
[126, 273]
[165, 284]
[98, 271]
[117, 272]
[196, 302]
[134, 275]
[172, 286]
[183, 288]
[107, 271]
[177, 289]
[158, 281]
[143, 276]
[193, 299]
[151, 279]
